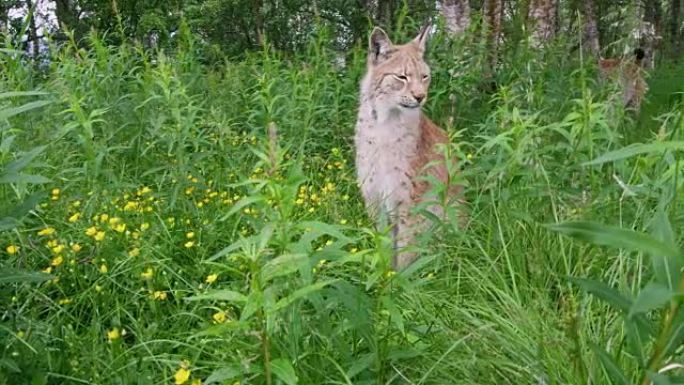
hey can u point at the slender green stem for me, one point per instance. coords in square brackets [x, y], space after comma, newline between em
[663, 338]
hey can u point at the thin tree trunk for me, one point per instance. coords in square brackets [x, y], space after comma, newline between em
[651, 35]
[456, 15]
[542, 15]
[33, 30]
[385, 12]
[591, 34]
[492, 15]
[675, 8]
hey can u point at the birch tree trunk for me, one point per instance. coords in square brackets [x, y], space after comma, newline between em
[542, 16]
[675, 9]
[591, 35]
[456, 15]
[492, 14]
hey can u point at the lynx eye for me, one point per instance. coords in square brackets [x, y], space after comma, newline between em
[401, 77]
[425, 77]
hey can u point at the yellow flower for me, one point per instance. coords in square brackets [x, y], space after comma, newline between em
[144, 226]
[135, 235]
[219, 317]
[58, 249]
[74, 217]
[47, 270]
[134, 252]
[113, 221]
[98, 288]
[56, 261]
[211, 278]
[76, 247]
[196, 381]
[145, 190]
[159, 295]
[131, 206]
[190, 235]
[90, 231]
[12, 249]
[76, 203]
[55, 191]
[52, 243]
[189, 244]
[182, 375]
[120, 228]
[113, 334]
[64, 301]
[104, 217]
[147, 274]
[46, 231]
[343, 221]
[100, 235]
[103, 269]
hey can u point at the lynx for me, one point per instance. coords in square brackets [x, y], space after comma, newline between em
[396, 144]
[630, 76]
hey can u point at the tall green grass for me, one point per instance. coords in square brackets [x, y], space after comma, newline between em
[221, 235]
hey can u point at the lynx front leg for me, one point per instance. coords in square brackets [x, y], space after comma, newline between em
[406, 228]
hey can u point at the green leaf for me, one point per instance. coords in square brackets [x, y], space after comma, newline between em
[651, 297]
[13, 275]
[224, 374]
[665, 269]
[283, 369]
[612, 368]
[301, 293]
[219, 295]
[362, 363]
[12, 111]
[246, 201]
[394, 313]
[282, 265]
[604, 292]
[17, 165]
[617, 237]
[13, 94]
[635, 149]
[23, 178]
[254, 302]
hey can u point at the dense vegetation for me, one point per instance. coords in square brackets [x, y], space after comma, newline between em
[174, 216]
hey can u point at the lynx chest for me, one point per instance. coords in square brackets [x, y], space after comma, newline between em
[384, 154]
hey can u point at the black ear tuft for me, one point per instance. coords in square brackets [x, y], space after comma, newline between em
[639, 53]
[379, 46]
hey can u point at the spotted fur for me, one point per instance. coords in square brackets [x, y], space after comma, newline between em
[396, 144]
[630, 75]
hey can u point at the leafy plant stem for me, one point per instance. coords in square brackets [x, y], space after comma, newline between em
[665, 331]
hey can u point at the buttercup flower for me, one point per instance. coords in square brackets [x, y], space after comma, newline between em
[58, 249]
[12, 249]
[182, 375]
[134, 252]
[113, 334]
[74, 217]
[189, 244]
[56, 261]
[120, 228]
[190, 235]
[147, 274]
[90, 231]
[46, 231]
[76, 247]
[100, 235]
[159, 295]
[144, 226]
[211, 278]
[219, 317]
[103, 269]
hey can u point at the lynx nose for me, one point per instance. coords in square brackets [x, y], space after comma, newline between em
[419, 97]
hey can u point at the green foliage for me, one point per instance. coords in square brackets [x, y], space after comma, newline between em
[204, 221]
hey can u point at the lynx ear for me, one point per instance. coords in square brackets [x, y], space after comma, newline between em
[379, 46]
[421, 39]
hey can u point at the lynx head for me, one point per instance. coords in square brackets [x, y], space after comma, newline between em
[397, 74]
